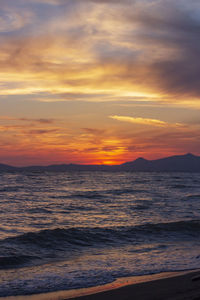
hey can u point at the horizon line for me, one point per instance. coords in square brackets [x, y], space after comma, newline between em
[105, 165]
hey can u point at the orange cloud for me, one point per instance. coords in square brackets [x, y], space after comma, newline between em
[49, 143]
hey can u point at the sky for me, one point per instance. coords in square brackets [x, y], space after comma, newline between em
[98, 81]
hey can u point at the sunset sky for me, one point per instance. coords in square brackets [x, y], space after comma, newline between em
[98, 81]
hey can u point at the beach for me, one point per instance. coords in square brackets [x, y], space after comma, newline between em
[183, 285]
[179, 287]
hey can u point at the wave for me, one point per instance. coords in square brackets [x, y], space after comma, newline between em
[11, 189]
[193, 197]
[88, 236]
[15, 260]
[61, 243]
[180, 186]
[38, 210]
[99, 194]
[139, 207]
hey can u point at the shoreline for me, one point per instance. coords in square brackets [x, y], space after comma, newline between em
[177, 285]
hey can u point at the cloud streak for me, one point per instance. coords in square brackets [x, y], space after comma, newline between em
[144, 121]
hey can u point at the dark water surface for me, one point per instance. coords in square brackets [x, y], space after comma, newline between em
[72, 230]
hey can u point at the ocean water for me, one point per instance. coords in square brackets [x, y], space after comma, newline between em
[67, 230]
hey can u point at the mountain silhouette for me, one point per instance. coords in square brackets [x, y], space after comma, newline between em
[177, 163]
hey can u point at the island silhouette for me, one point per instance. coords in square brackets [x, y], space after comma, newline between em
[177, 163]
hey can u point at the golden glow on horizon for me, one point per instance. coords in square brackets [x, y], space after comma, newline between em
[26, 141]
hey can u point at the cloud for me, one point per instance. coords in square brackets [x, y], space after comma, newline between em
[58, 142]
[12, 19]
[168, 36]
[94, 131]
[112, 1]
[143, 121]
[42, 131]
[84, 51]
[40, 121]
[57, 2]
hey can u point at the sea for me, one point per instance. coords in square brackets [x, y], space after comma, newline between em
[71, 230]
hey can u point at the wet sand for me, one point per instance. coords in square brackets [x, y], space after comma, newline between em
[181, 287]
[164, 286]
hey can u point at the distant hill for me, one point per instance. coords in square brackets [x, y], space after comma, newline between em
[4, 167]
[178, 163]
